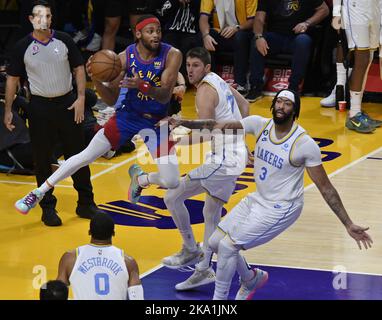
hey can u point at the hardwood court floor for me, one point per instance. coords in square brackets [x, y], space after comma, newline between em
[30, 251]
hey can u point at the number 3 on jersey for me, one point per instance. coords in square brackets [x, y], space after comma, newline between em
[263, 174]
[102, 286]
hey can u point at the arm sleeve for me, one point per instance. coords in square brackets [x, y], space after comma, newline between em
[306, 152]
[74, 54]
[253, 124]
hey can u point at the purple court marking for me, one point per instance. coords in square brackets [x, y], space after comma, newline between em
[283, 284]
[374, 158]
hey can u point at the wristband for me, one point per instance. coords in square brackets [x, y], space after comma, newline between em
[135, 292]
[337, 11]
[144, 87]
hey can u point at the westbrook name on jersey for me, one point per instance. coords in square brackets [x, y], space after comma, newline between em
[99, 273]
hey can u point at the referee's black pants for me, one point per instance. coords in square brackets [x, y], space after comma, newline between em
[50, 122]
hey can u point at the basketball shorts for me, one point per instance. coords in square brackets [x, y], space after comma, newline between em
[251, 223]
[214, 180]
[124, 125]
[361, 21]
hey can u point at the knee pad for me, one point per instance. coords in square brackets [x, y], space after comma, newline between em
[171, 182]
[227, 247]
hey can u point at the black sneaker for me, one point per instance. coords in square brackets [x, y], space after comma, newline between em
[87, 211]
[50, 217]
[242, 90]
[254, 94]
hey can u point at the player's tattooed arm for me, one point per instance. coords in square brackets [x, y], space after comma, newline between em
[329, 193]
[210, 124]
[331, 196]
[231, 126]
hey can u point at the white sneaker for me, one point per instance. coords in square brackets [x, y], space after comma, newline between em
[248, 288]
[108, 155]
[197, 279]
[330, 100]
[95, 43]
[183, 258]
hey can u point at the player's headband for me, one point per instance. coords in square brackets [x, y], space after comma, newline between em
[287, 94]
[145, 22]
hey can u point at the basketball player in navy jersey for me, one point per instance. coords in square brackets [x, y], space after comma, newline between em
[150, 70]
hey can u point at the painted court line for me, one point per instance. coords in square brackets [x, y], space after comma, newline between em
[117, 165]
[113, 166]
[33, 183]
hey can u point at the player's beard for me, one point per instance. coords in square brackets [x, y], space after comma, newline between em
[148, 46]
[284, 119]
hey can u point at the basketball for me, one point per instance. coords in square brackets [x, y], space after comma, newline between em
[105, 66]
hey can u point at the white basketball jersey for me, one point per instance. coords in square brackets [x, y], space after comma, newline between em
[226, 149]
[279, 164]
[99, 273]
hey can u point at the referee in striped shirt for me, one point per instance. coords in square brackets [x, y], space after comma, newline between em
[48, 58]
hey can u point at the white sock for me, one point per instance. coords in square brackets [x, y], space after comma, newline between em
[44, 188]
[96, 148]
[341, 74]
[207, 258]
[188, 239]
[355, 102]
[212, 212]
[243, 269]
[174, 200]
[143, 180]
[226, 267]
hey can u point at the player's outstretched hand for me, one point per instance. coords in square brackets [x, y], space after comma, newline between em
[172, 122]
[360, 236]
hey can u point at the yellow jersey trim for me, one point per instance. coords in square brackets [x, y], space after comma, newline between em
[291, 132]
[293, 147]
